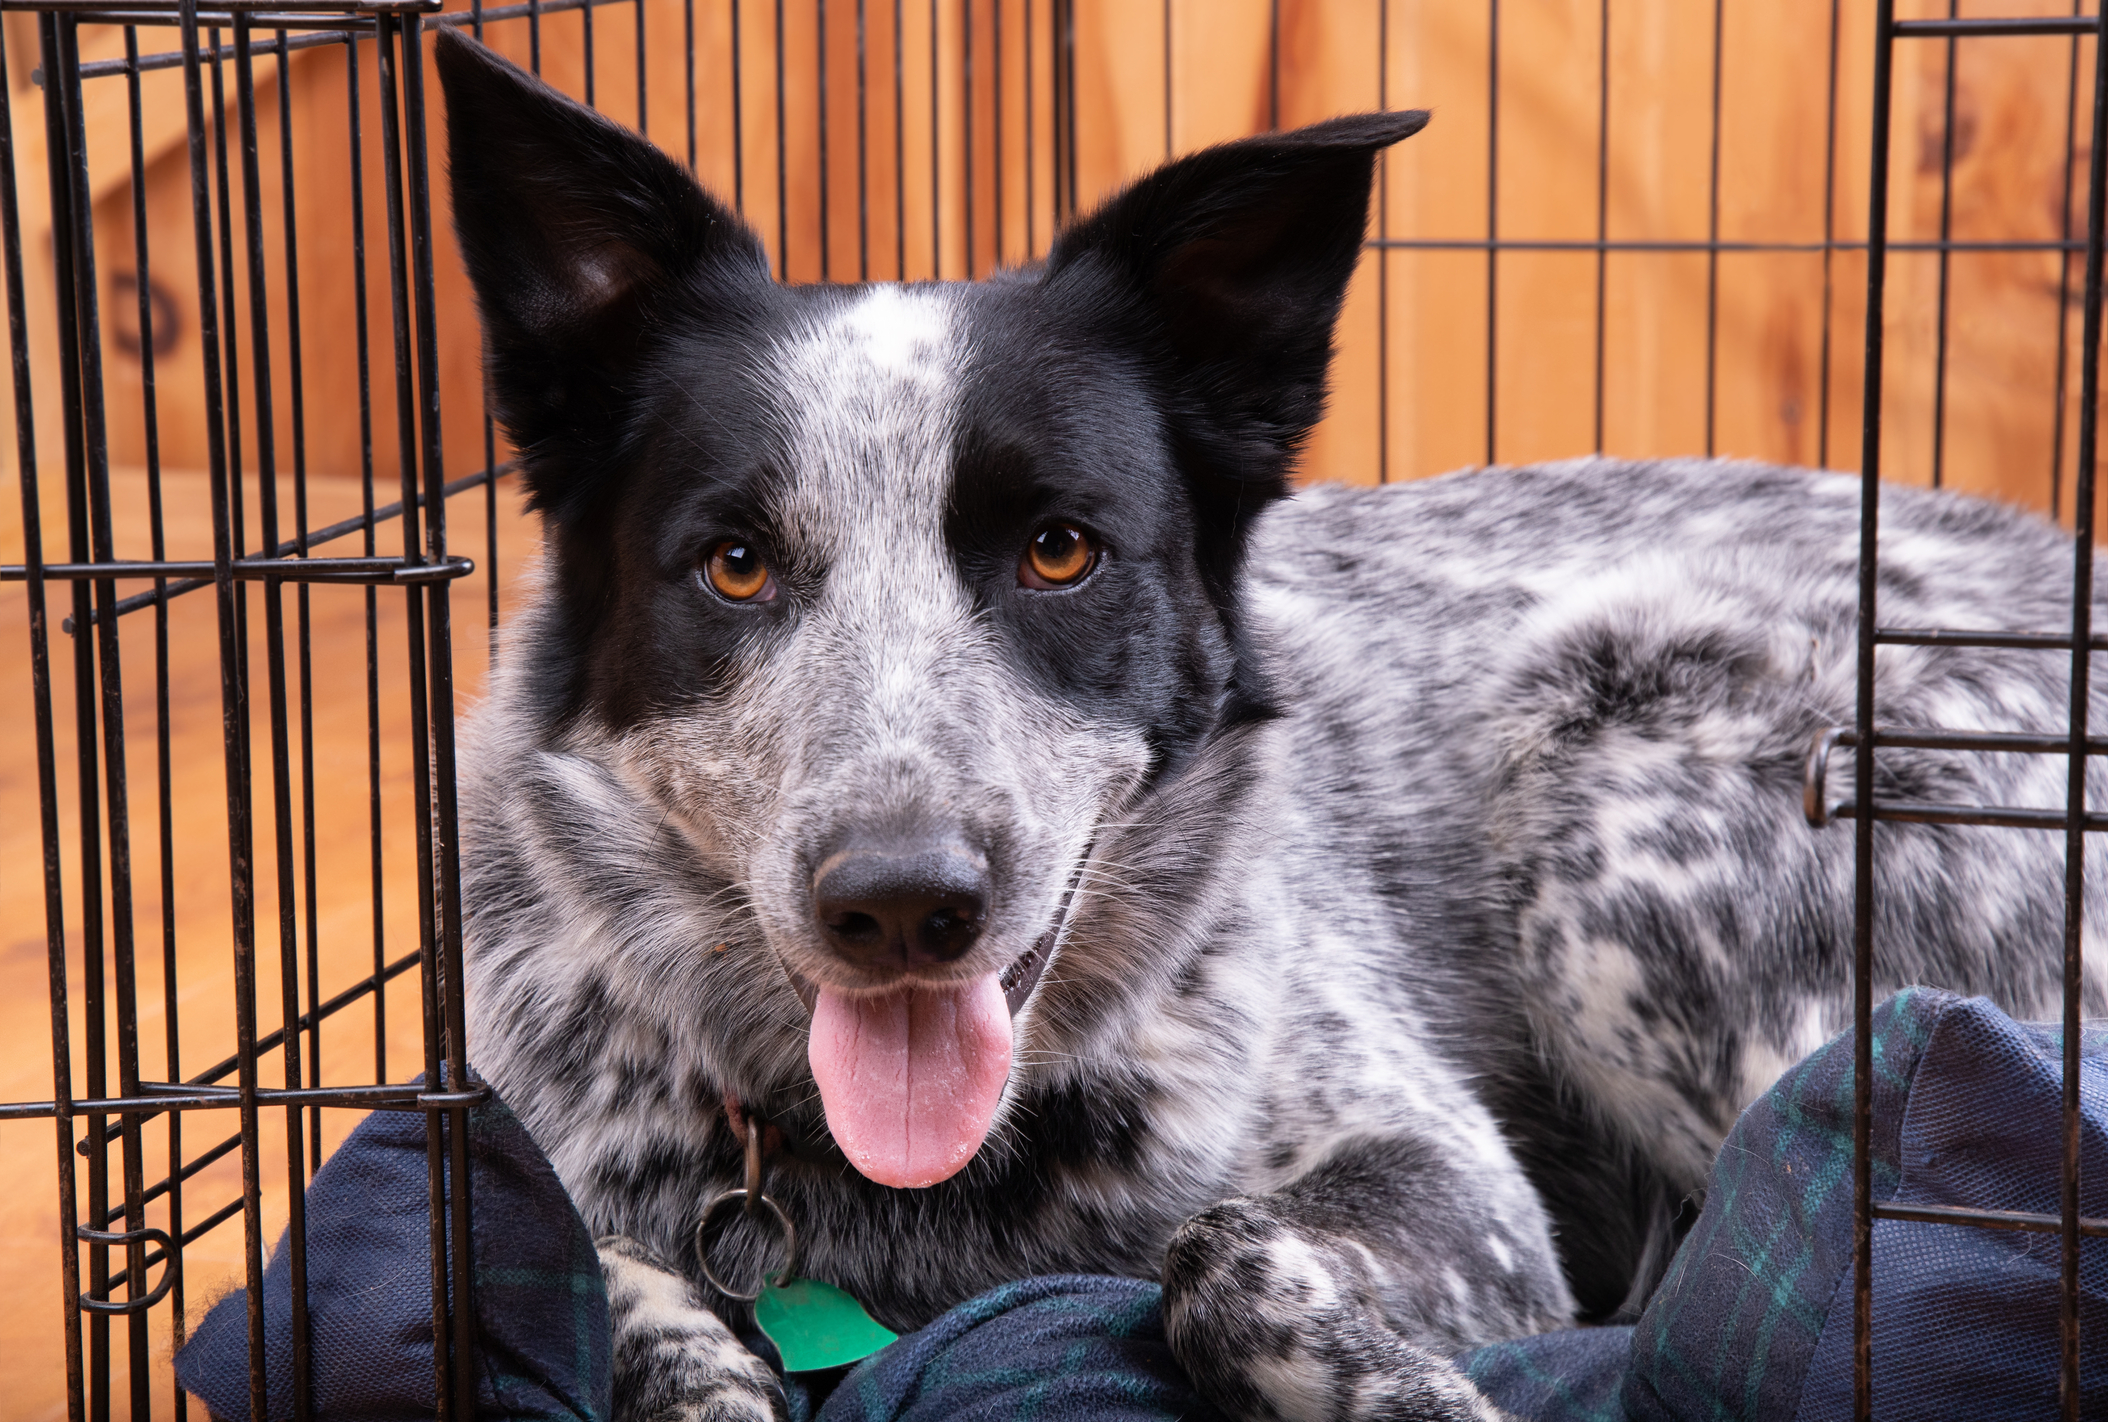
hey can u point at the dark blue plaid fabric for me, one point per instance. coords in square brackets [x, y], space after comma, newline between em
[1965, 1320]
[1755, 1316]
[1754, 1319]
[543, 1348]
[1732, 1328]
[1091, 1349]
[1063, 1348]
[1574, 1375]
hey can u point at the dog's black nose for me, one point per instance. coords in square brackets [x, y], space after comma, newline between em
[901, 908]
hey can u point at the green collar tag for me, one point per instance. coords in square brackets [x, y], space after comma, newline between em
[816, 1325]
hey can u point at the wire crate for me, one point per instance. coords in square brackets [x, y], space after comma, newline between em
[1790, 230]
[1868, 733]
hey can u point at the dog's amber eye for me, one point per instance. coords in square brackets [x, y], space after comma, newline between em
[736, 571]
[1059, 555]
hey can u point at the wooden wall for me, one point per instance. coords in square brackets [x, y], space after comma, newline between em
[1666, 350]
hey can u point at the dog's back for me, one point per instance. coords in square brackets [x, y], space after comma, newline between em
[1568, 710]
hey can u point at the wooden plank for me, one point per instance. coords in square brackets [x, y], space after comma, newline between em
[1767, 323]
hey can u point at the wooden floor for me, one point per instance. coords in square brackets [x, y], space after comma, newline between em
[202, 988]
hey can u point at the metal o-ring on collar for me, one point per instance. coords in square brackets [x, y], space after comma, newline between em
[702, 1254]
[752, 1202]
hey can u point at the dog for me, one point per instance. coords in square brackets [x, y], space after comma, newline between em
[937, 740]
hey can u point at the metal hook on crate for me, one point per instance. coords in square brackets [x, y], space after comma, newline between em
[131, 1236]
[477, 1094]
[753, 1202]
[1815, 796]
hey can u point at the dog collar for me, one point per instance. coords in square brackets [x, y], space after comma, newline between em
[813, 1324]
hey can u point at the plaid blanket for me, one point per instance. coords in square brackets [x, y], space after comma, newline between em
[1754, 1319]
[543, 1351]
[1755, 1316]
[1064, 1348]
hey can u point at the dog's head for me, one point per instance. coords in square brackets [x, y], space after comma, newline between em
[888, 596]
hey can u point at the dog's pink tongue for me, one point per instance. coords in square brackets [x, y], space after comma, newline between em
[911, 1080]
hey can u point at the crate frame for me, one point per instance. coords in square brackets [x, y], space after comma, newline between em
[226, 37]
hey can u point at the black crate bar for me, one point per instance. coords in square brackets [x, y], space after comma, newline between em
[276, 690]
[142, 280]
[390, 64]
[47, 757]
[2078, 641]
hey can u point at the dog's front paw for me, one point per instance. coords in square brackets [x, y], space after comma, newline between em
[1276, 1324]
[675, 1361]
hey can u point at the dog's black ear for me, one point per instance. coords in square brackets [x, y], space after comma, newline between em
[582, 240]
[1232, 264]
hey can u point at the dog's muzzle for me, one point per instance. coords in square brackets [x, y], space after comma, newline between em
[927, 913]
[881, 908]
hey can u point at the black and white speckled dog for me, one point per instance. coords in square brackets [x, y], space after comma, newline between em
[935, 734]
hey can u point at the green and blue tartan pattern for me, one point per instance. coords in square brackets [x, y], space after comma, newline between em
[1735, 1342]
[543, 1347]
[1749, 1322]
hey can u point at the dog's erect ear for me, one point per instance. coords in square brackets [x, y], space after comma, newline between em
[1235, 261]
[581, 238]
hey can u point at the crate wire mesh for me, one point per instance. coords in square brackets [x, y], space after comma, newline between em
[1868, 735]
[252, 218]
[211, 47]
[864, 140]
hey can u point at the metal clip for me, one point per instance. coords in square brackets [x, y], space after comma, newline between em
[476, 1095]
[1815, 798]
[131, 1236]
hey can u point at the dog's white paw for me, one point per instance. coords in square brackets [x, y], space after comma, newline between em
[675, 1361]
[1275, 1324]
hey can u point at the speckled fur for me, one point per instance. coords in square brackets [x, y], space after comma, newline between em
[1441, 886]
[677, 1360]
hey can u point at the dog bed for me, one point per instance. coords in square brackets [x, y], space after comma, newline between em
[1754, 1318]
